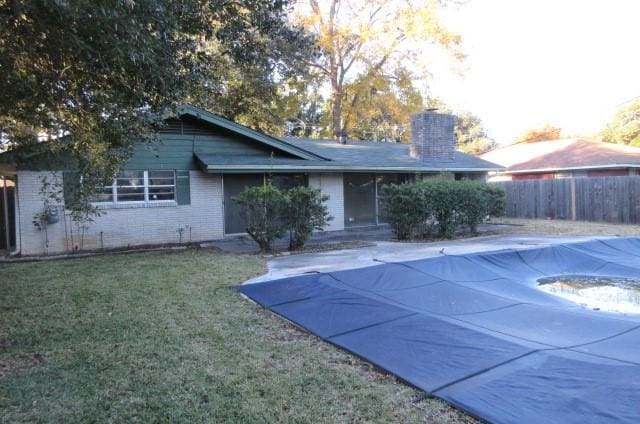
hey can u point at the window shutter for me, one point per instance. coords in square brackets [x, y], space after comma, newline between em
[70, 183]
[183, 189]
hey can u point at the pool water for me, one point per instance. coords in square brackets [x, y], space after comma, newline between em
[609, 294]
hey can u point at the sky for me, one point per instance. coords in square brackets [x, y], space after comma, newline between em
[569, 63]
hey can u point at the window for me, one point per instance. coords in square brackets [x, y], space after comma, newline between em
[287, 181]
[139, 187]
[162, 185]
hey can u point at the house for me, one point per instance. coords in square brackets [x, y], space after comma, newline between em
[182, 189]
[565, 158]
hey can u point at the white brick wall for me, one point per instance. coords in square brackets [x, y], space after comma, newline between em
[122, 227]
[332, 185]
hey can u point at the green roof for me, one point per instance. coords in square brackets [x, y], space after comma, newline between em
[355, 156]
[230, 125]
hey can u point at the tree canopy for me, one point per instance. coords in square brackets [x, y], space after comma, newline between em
[368, 39]
[471, 135]
[544, 133]
[379, 106]
[94, 76]
[624, 128]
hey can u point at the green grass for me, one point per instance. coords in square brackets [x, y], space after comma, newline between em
[159, 337]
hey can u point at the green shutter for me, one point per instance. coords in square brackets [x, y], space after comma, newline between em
[70, 184]
[183, 189]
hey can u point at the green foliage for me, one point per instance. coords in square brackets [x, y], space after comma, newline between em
[445, 199]
[496, 197]
[91, 77]
[478, 200]
[439, 205]
[471, 136]
[269, 213]
[405, 209]
[625, 126]
[261, 208]
[303, 212]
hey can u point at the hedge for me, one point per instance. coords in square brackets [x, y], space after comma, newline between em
[439, 207]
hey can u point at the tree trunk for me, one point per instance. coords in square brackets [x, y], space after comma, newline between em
[336, 110]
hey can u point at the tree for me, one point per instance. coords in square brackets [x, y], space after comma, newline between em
[544, 133]
[363, 37]
[91, 77]
[624, 128]
[301, 103]
[471, 136]
[379, 106]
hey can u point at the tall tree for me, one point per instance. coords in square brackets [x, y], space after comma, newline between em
[624, 128]
[378, 106]
[361, 37]
[92, 76]
[544, 133]
[471, 136]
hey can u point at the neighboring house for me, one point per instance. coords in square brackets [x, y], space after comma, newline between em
[182, 190]
[564, 159]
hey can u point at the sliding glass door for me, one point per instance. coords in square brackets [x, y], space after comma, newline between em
[234, 223]
[359, 200]
[234, 184]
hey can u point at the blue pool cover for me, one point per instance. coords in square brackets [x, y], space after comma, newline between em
[476, 331]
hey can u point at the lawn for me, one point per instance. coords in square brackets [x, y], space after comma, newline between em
[164, 337]
[567, 228]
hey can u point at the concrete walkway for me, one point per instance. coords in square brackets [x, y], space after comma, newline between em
[380, 233]
[285, 266]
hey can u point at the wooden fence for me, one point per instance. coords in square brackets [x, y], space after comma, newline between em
[609, 199]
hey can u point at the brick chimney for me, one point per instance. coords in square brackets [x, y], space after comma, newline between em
[432, 136]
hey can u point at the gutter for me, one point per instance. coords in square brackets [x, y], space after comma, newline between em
[342, 168]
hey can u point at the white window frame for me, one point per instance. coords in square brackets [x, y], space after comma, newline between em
[146, 201]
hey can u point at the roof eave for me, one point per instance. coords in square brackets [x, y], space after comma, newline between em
[336, 168]
[248, 132]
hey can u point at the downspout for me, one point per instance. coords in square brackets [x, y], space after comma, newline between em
[18, 217]
[5, 204]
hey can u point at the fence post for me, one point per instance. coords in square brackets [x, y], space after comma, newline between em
[573, 199]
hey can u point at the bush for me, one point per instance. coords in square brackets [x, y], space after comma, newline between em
[444, 199]
[441, 204]
[270, 212]
[261, 208]
[474, 204]
[404, 208]
[304, 211]
[496, 198]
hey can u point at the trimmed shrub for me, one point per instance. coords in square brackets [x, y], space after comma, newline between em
[444, 198]
[496, 198]
[439, 205]
[405, 209]
[474, 204]
[261, 208]
[304, 211]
